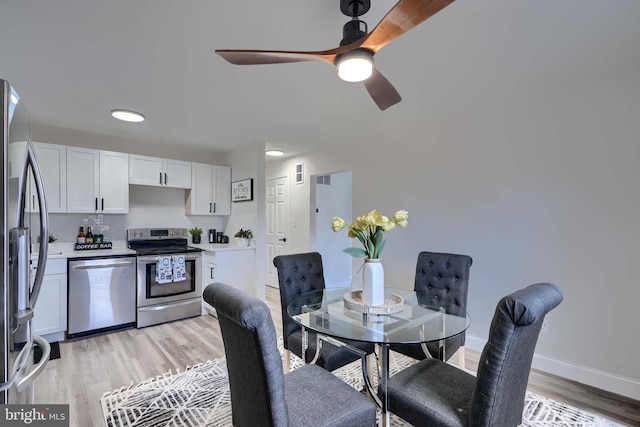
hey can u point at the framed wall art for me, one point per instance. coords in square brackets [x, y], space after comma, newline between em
[242, 191]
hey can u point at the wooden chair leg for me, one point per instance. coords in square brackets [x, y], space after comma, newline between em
[286, 360]
[461, 358]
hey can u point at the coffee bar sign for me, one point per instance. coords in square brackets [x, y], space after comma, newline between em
[242, 191]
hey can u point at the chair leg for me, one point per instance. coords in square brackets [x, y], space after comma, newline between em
[372, 366]
[461, 358]
[286, 360]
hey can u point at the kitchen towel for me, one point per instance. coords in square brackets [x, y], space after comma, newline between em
[179, 270]
[164, 270]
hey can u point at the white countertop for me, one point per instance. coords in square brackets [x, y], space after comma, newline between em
[218, 247]
[65, 250]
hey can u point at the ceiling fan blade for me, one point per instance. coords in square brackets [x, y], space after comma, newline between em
[381, 90]
[402, 17]
[255, 57]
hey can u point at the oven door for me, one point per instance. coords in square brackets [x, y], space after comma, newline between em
[152, 291]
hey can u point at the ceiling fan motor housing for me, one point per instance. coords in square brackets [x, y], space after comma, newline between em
[352, 31]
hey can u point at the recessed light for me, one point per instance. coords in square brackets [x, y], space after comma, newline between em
[127, 116]
[274, 153]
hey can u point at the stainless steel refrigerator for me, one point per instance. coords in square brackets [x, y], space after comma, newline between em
[20, 180]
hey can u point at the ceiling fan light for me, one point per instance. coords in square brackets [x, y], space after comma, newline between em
[274, 153]
[127, 116]
[355, 66]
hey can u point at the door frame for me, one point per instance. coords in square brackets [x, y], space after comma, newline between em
[269, 281]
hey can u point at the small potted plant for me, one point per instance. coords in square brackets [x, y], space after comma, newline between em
[196, 234]
[244, 237]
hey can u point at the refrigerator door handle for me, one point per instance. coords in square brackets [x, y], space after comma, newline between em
[44, 224]
[18, 365]
[26, 380]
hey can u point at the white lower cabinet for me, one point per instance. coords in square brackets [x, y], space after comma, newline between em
[50, 314]
[209, 276]
[235, 267]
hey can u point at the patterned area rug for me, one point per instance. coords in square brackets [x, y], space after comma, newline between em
[199, 397]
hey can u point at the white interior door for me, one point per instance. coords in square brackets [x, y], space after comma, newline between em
[277, 224]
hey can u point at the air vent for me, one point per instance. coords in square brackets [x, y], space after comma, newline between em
[323, 180]
[299, 174]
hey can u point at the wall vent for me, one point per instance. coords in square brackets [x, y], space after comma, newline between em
[299, 173]
[323, 180]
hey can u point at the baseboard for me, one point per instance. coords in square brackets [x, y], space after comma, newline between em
[585, 375]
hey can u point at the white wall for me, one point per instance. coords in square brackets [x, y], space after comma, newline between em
[247, 162]
[329, 201]
[540, 184]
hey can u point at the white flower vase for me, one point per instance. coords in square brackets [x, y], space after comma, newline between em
[373, 282]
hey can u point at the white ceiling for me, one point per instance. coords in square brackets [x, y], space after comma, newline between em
[75, 60]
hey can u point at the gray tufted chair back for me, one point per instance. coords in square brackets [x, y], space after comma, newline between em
[505, 362]
[445, 277]
[256, 380]
[297, 274]
[435, 393]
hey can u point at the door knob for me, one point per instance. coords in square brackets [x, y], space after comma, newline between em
[284, 239]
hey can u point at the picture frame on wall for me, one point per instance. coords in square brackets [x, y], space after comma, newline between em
[242, 191]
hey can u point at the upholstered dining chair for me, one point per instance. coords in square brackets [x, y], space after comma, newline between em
[299, 274]
[261, 394]
[434, 393]
[445, 277]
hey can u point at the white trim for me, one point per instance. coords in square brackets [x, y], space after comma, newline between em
[604, 380]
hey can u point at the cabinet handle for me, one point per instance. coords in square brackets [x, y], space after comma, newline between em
[210, 207]
[214, 207]
[165, 178]
[211, 273]
[96, 203]
[33, 202]
[160, 178]
[102, 203]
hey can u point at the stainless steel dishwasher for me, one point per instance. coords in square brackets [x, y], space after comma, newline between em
[102, 294]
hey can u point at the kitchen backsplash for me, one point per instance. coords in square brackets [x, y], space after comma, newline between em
[149, 207]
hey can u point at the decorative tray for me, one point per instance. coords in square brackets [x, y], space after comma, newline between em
[392, 303]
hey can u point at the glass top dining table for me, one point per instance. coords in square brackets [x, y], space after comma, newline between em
[418, 319]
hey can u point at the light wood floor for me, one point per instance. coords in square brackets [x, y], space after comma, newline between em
[91, 366]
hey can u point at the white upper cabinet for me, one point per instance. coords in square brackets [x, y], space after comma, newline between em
[114, 182]
[154, 171]
[210, 190]
[97, 181]
[52, 160]
[176, 173]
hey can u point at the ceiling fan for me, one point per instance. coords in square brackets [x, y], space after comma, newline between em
[354, 57]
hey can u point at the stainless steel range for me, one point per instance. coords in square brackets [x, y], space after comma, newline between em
[168, 275]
